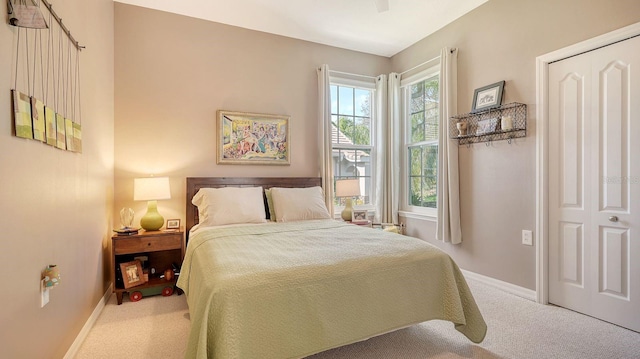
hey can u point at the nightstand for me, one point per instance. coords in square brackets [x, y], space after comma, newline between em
[161, 249]
[362, 223]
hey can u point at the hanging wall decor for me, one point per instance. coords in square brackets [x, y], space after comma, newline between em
[61, 141]
[50, 125]
[77, 137]
[22, 114]
[37, 115]
[26, 13]
[46, 93]
[68, 129]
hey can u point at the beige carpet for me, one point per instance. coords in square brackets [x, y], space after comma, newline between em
[157, 327]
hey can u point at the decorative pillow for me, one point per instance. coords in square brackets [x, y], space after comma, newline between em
[272, 212]
[229, 205]
[297, 204]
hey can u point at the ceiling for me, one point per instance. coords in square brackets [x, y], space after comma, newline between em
[350, 24]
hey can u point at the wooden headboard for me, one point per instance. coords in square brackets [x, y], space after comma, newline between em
[195, 183]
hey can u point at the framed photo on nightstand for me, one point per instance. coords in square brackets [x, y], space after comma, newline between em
[359, 216]
[173, 224]
[131, 274]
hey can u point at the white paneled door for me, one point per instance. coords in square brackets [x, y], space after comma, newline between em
[594, 183]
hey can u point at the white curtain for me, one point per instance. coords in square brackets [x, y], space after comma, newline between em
[448, 228]
[388, 189]
[382, 163]
[324, 127]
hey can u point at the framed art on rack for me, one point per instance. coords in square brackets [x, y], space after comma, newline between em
[488, 97]
[487, 126]
[251, 138]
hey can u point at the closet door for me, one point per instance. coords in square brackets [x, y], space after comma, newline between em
[594, 183]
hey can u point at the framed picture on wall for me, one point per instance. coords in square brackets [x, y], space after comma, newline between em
[254, 139]
[488, 97]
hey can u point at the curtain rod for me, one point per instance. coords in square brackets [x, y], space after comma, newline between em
[426, 62]
[346, 73]
[64, 28]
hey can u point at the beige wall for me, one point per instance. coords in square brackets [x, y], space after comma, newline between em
[171, 75]
[500, 40]
[174, 72]
[56, 206]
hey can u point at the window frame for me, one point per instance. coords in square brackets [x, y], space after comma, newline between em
[373, 147]
[406, 208]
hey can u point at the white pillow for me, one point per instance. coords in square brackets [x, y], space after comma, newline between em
[229, 205]
[297, 204]
[272, 211]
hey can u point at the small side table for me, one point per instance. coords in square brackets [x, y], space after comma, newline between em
[362, 223]
[162, 248]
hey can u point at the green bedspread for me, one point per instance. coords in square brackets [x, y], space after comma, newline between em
[288, 290]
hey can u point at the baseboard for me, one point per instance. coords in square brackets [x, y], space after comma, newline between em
[504, 286]
[75, 346]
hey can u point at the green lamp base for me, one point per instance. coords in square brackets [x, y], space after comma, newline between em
[347, 211]
[152, 221]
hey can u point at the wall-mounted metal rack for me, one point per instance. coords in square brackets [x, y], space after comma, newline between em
[485, 126]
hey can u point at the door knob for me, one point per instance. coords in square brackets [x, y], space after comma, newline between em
[613, 218]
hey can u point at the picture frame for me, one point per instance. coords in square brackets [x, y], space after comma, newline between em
[488, 125]
[359, 216]
[132, 274]
[488, 97]
[252, 138]
[173, 224]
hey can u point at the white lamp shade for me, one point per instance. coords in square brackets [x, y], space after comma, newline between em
[151, 189]
[347, 188]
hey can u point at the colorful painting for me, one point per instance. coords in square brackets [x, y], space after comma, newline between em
[37, 115]
[60, 137]
[22, 114]
[249, 138]
[50, 125]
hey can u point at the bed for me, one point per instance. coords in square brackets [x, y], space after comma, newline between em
[295, 288]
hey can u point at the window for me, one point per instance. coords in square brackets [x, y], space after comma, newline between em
[352, 138]
[421, 131]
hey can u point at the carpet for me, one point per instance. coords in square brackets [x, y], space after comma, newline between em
[157, 327]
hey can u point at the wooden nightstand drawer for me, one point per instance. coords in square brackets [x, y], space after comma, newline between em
[147, 244]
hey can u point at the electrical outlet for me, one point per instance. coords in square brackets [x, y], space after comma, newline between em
[527, 237]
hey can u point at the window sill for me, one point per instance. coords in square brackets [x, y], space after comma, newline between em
[420, 216]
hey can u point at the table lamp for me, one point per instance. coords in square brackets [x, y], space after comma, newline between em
[347, 188]
[151, 189]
